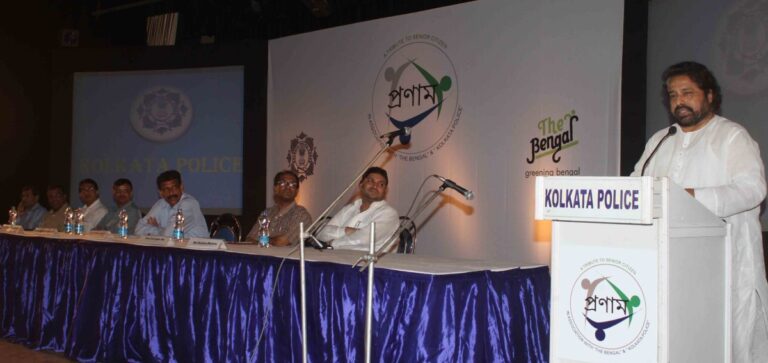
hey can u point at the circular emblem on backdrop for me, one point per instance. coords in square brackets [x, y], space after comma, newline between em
[417, 88]
[608, 308]
[741, 47]
[302, 156]
[161, 114]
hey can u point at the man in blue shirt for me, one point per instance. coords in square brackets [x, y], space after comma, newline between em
[30, 211]
[122, 194]
[160, 219]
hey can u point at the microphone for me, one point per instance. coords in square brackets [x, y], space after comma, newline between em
[672, 130]
[405, 131]
[451, 184]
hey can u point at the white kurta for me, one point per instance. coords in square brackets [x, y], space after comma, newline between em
[386, 218]
[722, 163]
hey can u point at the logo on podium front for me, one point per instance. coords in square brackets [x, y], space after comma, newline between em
[608, 309]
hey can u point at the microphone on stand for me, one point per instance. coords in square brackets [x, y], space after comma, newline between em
[405, 131]
[672, 130]
[452, 184]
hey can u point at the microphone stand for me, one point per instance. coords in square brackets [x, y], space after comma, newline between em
[313, 228]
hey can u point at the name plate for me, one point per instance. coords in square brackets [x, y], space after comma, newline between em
[595, 199]
[206, 244]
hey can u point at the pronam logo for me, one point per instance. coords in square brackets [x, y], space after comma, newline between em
[161, 114]
[607, 307]
[416, 87]
[554, 136]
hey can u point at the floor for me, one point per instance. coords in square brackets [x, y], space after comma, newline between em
[10, 352]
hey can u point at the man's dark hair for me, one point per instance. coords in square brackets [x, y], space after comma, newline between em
[89, 181]
[280, 174]
[31, 188]
[122, 181]
[168, 175]
[376, 170]
[700, 75]
[56, 187]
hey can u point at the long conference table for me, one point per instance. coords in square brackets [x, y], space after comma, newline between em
[98, 298]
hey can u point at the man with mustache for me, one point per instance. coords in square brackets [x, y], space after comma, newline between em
[161, 218]
[93, 209]
[285, 216]
[122, 194]
[351, 227]
[719, 164]
[30, 211]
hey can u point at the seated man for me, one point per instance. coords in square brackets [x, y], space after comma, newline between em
[350, 228]
[161, 218]
[57, 200]
[93, 209]
[285, 215]
[30, 211]
[122, 194]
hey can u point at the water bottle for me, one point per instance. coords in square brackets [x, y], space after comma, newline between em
[79, 222]
[69, 216]
[122, 224]
[178, 226]
[263, 229]
[12, 216]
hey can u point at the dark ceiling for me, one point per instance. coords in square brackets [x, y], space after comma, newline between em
[123, 22]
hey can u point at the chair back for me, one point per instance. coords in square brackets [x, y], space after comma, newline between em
[226, 227]
[407, 241]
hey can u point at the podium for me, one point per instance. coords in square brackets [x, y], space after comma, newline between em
[641, 272]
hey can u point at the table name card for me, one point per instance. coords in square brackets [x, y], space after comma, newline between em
[206, 244]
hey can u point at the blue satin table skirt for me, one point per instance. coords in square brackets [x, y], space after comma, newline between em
[109, 302]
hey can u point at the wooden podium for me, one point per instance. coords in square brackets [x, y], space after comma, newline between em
[641, 272]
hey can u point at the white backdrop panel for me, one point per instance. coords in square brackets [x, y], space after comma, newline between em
[510, 65]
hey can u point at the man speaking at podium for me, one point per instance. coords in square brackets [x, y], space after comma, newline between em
[719, 164]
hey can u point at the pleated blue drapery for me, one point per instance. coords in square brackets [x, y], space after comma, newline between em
[109, 302]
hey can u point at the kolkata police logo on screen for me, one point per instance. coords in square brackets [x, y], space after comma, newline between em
[416, 88]
[161, 114]
[608, 308]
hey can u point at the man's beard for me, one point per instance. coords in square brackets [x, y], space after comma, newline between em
[693, 118]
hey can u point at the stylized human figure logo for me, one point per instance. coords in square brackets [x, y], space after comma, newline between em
[433, 91]
[620, 305]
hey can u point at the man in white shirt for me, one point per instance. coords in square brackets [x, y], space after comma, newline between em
[351, 227]
[93, 210]
[719, 164]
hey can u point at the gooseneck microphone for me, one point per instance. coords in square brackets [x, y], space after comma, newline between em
[451, 184]
[405, 131]
[672, 130]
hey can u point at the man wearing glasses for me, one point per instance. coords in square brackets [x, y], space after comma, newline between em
[351, 227]
[285, 215]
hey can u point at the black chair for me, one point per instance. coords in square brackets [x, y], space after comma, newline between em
[226, 227]
[407, 242]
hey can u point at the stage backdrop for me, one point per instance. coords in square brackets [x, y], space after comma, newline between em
[495, 91]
